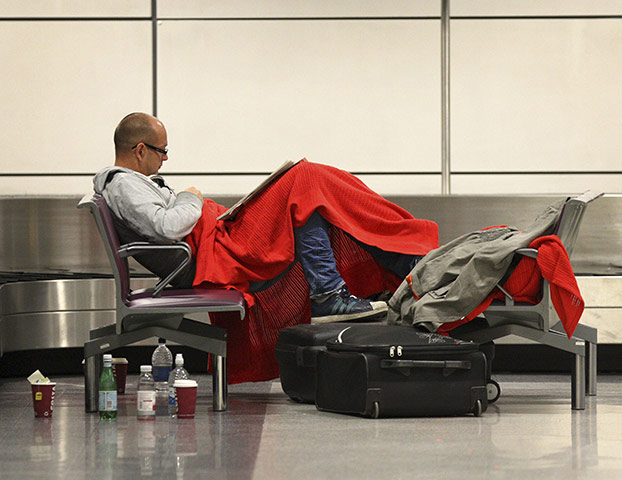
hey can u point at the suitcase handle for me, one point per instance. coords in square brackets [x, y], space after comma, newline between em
[445, 364]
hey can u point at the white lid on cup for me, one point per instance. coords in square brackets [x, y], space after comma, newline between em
[185, 383]
[117, 361]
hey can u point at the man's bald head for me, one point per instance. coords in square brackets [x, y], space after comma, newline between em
[140, 143]
[135, 128]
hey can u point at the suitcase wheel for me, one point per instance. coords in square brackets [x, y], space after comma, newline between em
[493, 391]
[477, 411]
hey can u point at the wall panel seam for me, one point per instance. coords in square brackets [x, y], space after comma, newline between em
[202, 174]
[531, 172]
[259, 19]
[539, 17]
[290, 19]
[73, 19]
[354, 172]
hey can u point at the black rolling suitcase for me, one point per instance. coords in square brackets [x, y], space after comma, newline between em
[296, 351]
[400, 371]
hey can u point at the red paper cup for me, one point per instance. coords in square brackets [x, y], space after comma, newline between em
[119, 368]
[43, 399]
[186, 395]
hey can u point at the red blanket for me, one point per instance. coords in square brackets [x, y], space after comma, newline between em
[553, 265]
[259, 245]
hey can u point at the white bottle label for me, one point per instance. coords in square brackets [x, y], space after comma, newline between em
[107, 401]
[146, 402]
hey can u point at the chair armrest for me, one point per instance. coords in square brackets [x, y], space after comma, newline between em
[136, 248]
[527, 252]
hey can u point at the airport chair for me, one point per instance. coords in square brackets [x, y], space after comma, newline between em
[540, 322]
[157, 312]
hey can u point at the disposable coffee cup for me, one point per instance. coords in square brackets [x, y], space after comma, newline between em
[186, 396]
[119, 369]
[43, 398]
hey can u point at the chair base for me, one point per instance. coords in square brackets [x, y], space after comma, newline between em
[204, 337]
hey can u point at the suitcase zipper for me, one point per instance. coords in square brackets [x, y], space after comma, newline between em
[398, 350]
[393, 350]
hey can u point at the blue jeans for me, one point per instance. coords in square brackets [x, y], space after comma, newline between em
[314, 251]
[315, 254]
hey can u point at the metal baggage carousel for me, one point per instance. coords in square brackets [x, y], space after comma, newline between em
[55, 283]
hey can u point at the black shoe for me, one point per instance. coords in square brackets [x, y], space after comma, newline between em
[341, 307]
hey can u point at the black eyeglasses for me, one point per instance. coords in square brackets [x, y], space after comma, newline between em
[163, 151]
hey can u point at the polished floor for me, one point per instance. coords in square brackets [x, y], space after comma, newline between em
[529, 433]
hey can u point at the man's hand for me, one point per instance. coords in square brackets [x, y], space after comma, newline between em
[195, 191]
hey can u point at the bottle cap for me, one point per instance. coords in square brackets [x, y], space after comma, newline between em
[145, 368]
[179, 359]
[107, 357]
[161, 340]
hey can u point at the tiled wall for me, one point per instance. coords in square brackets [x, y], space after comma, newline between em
[243, 85]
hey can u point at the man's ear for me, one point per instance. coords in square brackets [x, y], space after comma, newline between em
[138, 156]
[139, 153]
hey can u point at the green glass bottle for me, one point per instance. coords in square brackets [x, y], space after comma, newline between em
[107, 391]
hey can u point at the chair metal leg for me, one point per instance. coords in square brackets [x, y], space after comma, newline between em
[219, 379]
[578, 382]
[591, 368]
[92, 371]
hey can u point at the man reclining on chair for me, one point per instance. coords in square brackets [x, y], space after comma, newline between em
[251, 251]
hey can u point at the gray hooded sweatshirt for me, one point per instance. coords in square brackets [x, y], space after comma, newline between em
[148, 205]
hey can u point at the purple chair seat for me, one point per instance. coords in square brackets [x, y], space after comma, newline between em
[192, 297]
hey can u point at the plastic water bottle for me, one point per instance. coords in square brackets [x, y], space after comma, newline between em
[146, 395]
[162, 361]
[179, 373]
[107, 391]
